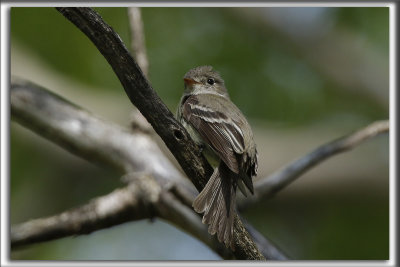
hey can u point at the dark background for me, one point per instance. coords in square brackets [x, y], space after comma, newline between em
[303, 77]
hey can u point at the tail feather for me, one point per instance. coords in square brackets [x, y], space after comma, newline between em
[248, 182]
[216, 217]
[217, 201]
[229, 225]
[207, 195]
[241, 187]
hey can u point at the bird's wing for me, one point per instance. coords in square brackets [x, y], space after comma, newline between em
[217, 130]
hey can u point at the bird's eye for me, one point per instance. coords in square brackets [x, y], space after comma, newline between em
[210, 81]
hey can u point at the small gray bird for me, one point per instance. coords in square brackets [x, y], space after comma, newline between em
[226, 139]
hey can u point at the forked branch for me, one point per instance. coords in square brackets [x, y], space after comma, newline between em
[155, 111]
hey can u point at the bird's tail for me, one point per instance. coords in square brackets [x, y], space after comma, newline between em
[217, 201]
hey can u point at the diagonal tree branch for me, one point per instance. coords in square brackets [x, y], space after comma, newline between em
[31, 113]
[122, 205]
[140, 92]
[174, 211]
[104, 143]
[268, 249]
[280, 179]
[48, 115]
[142, 198]
[85, 135]
[155, 111]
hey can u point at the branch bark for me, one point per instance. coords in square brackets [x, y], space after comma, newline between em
[143, 198]
[122, 205]
[104, 143]
[277, 181]
[84, 135]
[173, 210]
[155, 111]
[141, 94]
[52, 117]
[268, 249]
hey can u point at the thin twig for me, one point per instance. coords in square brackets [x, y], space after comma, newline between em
[138, 46]
[141, 94]
[155, 111]
[277, 181]
[104, 143]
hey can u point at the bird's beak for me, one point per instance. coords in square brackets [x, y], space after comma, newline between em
[189, 82]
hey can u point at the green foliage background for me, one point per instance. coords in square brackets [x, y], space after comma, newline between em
[268, 78]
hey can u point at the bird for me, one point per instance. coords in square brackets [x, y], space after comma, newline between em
[226, 140]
